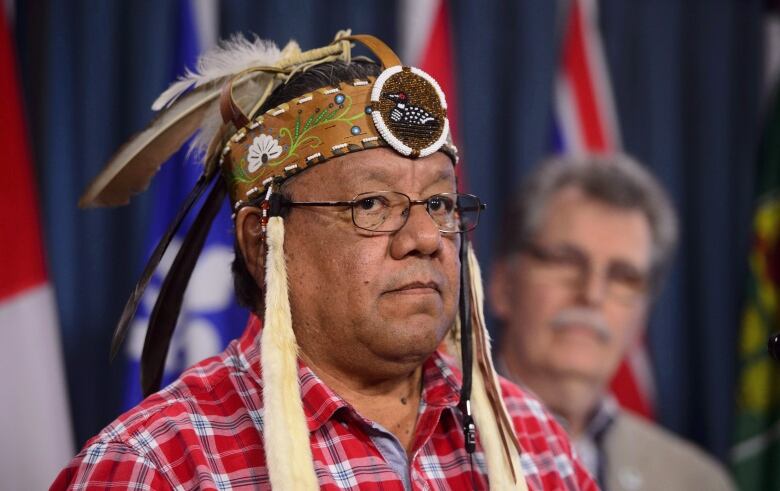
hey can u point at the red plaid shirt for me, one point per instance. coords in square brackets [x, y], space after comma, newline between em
[205, 431]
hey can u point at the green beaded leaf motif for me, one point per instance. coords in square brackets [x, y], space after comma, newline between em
[266, 152]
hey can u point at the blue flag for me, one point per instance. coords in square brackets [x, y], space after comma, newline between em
[210, 316]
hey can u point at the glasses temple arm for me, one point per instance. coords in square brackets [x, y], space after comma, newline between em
[318, 203]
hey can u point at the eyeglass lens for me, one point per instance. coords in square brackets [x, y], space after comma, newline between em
[387, 211]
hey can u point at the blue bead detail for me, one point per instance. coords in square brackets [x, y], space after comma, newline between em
[355, 130]
[369, 110]
[339, 99]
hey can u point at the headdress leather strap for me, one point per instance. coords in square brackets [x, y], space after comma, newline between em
[382, 51]
[228, 109]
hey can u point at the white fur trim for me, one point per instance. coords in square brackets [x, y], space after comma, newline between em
[499, 472]
[287, 447]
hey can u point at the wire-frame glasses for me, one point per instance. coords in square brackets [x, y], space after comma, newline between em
[387, 211]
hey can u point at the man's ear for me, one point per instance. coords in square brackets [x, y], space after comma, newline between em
[499, 290]
[251, 241]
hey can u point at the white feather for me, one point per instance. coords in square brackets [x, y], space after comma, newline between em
[228, 58]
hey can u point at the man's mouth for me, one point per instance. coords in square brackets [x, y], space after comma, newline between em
[417, 287]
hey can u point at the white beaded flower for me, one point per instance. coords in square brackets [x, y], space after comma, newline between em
[263, 149]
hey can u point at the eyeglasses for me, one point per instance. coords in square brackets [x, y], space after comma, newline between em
[569, 266]
[388, 211]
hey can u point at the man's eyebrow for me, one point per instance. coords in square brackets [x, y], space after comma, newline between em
[445, 175]
[626, 265]
[380, 175]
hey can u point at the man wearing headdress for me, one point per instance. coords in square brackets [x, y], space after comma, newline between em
[585, 245]
[351, 247]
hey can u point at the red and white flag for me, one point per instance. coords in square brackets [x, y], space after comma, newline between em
[35, 427]
[585, 121]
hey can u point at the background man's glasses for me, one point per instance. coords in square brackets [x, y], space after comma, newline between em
[571, 267]
[387, 211]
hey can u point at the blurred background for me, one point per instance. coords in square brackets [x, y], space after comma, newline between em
[691, 84]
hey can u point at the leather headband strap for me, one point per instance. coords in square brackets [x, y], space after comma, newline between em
[382, 51]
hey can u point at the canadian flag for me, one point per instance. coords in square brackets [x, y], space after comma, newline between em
[35, 427]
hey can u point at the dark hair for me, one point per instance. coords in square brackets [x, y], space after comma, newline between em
[614, 179]
[248, 293]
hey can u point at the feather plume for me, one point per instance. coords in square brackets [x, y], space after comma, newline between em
[191, 106]
[140, 287]
[229, 58]
[131, 169]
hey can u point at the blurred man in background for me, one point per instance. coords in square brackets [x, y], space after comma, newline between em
[586, 244]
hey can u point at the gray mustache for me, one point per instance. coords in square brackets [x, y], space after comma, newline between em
[582, 317]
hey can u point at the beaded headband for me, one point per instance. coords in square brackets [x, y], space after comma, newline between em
[403, 108]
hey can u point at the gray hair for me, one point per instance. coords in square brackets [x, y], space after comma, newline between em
[615, 179]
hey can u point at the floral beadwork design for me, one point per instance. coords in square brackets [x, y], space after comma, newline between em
[264, 148]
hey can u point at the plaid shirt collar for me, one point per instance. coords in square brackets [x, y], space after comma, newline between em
[440, 388]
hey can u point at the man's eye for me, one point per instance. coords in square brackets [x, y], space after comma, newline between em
[629, 279]
[440, 203]
[372, 203]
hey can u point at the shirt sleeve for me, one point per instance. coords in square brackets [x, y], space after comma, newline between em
[110, 465]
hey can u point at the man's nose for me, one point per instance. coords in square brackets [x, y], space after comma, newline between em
[593, 287]
[420, 234]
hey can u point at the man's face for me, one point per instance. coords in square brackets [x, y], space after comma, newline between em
[576, 298]
[378, 303]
